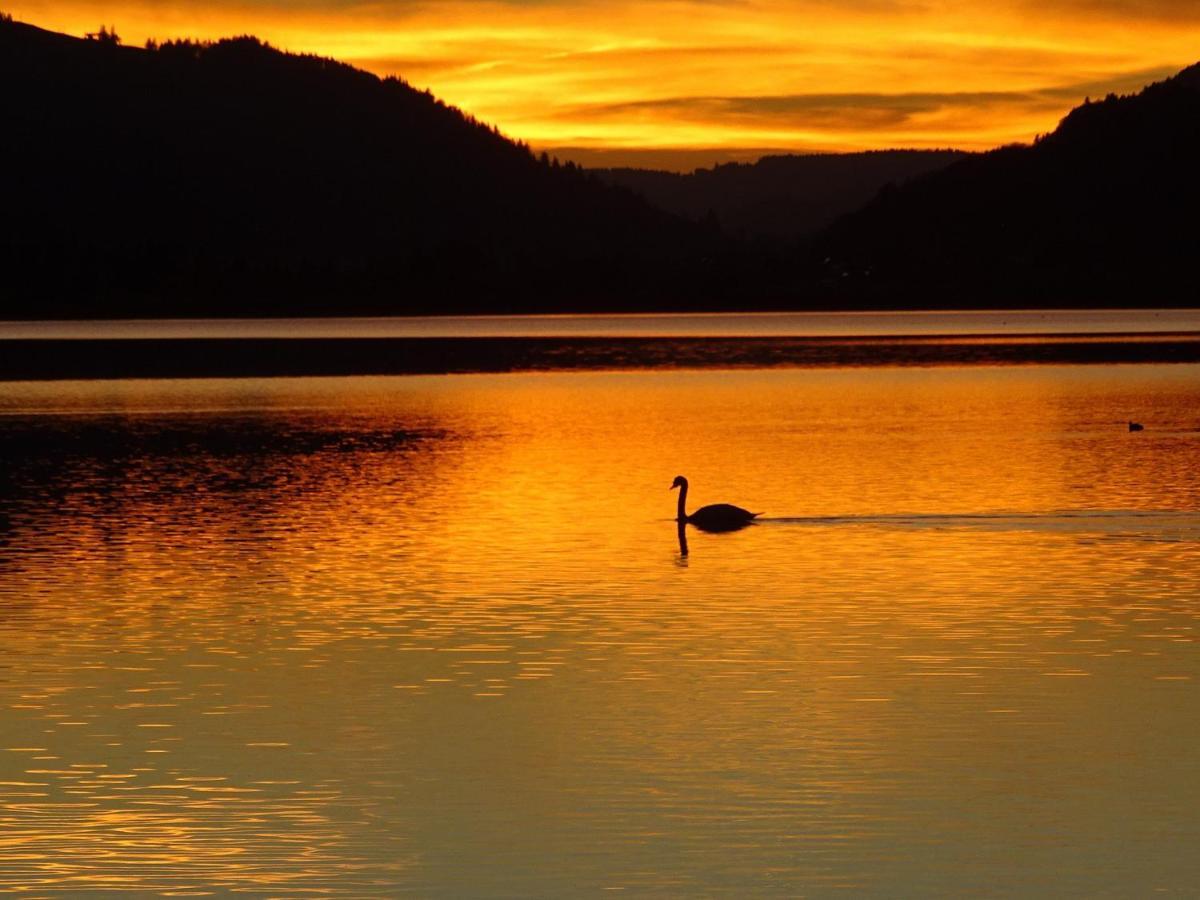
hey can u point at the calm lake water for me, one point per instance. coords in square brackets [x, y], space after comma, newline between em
[368, 636]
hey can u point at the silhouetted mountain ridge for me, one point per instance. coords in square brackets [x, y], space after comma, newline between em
[786, 197]
[233, 178]
[1100, 211]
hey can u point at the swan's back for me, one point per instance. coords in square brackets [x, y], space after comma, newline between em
[721, 517]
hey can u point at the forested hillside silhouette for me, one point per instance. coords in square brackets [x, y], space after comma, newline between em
[234, 179]
[186, 178]
[1101, 211]
[787, 197]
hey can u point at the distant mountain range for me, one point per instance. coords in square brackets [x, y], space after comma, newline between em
[782, 197]
[231, 178]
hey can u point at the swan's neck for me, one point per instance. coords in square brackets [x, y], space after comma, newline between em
[681, 516]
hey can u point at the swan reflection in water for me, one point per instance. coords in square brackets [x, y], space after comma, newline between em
[717, 517]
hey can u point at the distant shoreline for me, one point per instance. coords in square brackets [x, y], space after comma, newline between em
[58, 359]
[976, 323]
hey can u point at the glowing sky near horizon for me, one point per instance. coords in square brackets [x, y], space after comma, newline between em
[724, 77]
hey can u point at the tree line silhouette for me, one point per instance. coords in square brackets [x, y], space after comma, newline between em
[190, 178]
[1102, 211]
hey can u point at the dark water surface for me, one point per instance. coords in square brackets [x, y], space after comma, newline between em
[368, 636]
[206, 348]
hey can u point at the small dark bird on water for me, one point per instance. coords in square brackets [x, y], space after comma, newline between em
[1135, 426]
[717, 517]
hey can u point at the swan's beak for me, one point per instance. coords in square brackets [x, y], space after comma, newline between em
[672, 487]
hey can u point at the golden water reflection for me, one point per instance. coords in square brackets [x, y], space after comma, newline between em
[357, 636]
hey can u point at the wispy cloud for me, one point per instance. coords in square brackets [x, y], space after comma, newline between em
[1169, 11]
[864, 110]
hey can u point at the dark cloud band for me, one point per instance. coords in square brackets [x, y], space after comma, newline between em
[866, 111]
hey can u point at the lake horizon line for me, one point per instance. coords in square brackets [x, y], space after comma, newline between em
[981, 323]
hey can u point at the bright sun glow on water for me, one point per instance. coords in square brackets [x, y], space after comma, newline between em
[363, 636]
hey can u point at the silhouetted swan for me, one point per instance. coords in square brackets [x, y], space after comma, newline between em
[1136, 426]
[718, 517]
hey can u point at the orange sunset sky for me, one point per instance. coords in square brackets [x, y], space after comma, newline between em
[687, 82]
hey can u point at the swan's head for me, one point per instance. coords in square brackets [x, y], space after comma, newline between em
[679, 482]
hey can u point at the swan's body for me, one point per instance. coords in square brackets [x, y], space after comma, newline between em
[717, 517]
